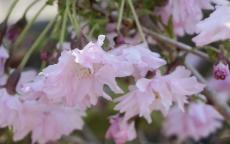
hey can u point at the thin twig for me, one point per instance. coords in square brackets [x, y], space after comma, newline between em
[120, 15]
[179, 45]
[139, 27]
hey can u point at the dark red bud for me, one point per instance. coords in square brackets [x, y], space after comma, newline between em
[44, 56]
[119, 40]
[16, 29]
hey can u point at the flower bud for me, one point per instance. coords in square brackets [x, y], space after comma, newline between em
[44, 55]
[16, 29]
[119, 40]
[221, 71]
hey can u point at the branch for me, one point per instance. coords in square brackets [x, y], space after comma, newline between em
[179, 45]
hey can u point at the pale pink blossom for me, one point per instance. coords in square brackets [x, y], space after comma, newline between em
[79, 76]
[185, 14]
[159, 93]
[182, 84]
[140, 58]
[120, 130]
[9, 107]
[46, 122]
[214, 28]
[134, 103]
[220, 89]
[198, 121]
[11, 104]
[3, 57]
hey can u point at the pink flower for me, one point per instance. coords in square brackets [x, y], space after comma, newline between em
[79, 77]
[134, 103]
[214, 28]
[181, 85]
[3, 57]
[11, 104]
[46, 122]
[158, 93]
[185, 14]
[221, 71]
[197, 122]
[140, 58]
[120, 131]
[9, 107]
[220, 89]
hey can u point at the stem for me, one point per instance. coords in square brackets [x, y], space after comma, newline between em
[64, 23]
[120, 15]
[28, 8]
[36, 43]
[26, 29]
[136, 20]
[12, 6]
[179, 45]
[76, 23]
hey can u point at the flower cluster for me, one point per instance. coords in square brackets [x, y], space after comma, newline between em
[59, 95]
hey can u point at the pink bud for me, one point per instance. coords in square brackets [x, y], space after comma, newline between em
[221, 71]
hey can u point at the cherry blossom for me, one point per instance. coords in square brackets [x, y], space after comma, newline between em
[79, 76]
[159, 93]
[120, 131]
[214, 28]
[140, 57]
[198, 121]
[185, 14]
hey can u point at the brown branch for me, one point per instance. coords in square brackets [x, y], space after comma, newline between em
[179, 45]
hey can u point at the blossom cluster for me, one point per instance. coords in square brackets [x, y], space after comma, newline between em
[58, 96]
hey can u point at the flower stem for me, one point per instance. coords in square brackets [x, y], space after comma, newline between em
[26, 29]
[29, 7]
[12, 6]
[136, 20]
[64, 24]
[36, 43]
[72, 18]
[120, 15]
[76, 23]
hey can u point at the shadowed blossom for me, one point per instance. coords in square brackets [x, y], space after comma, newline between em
[120, 130]
[198, 121]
